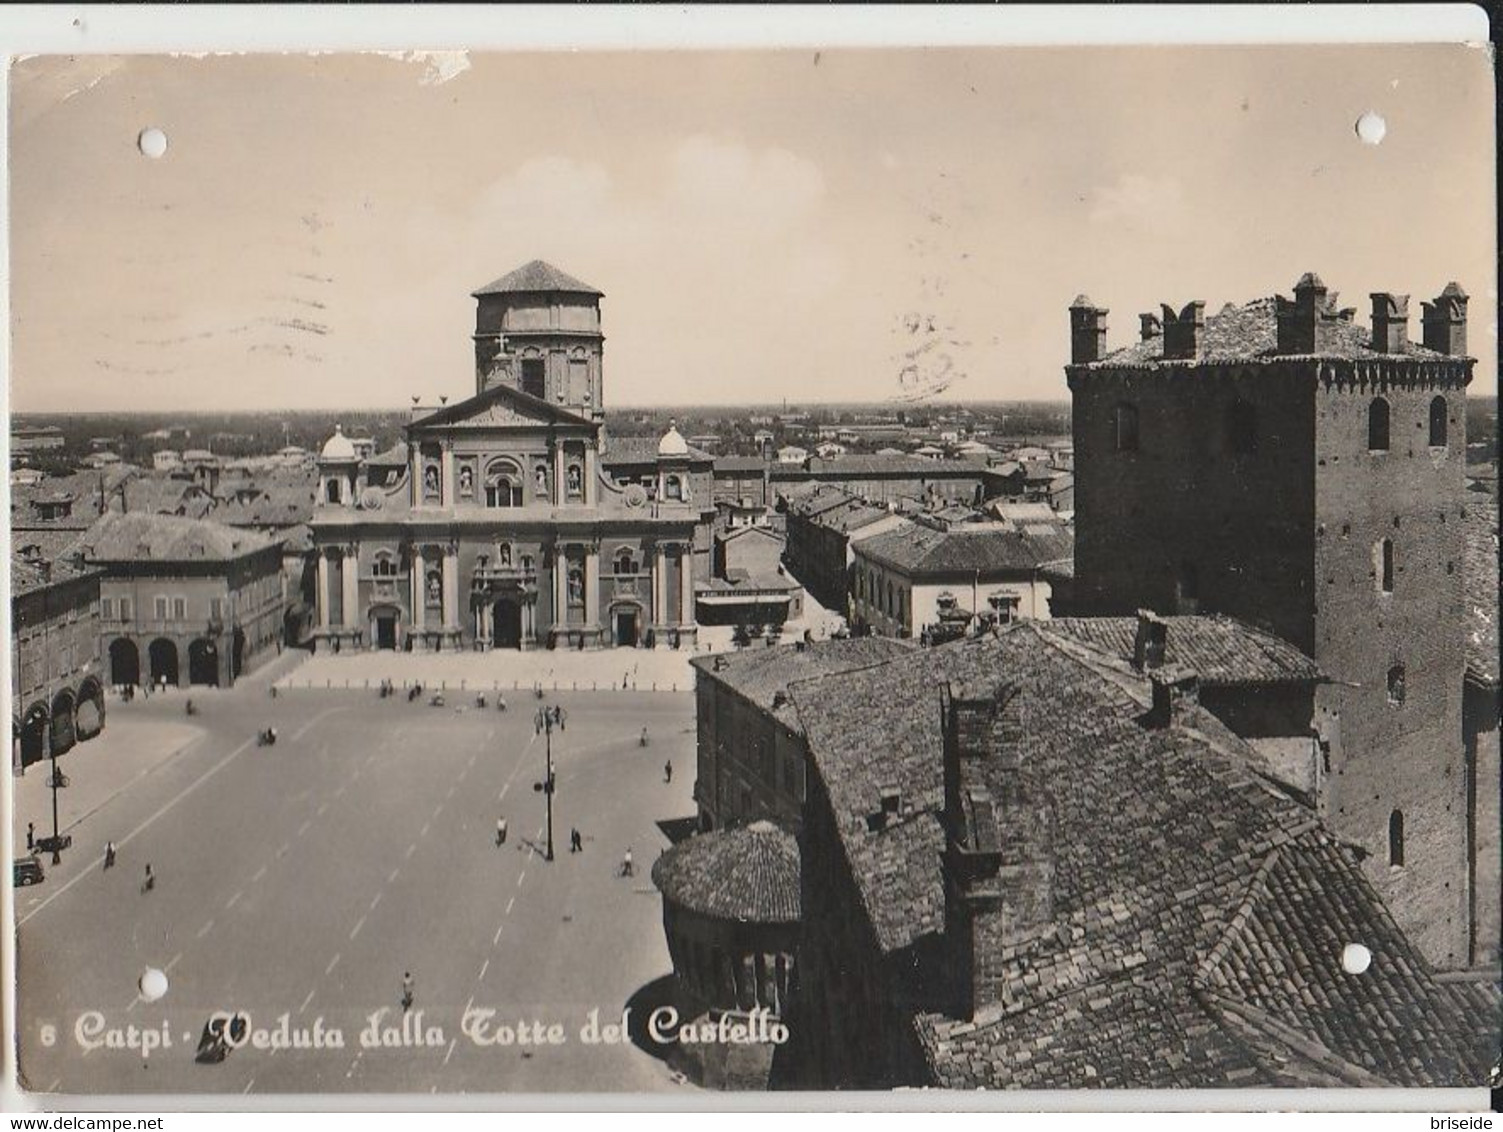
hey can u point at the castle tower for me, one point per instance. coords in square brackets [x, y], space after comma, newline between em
[538, 329]
[1280, 463]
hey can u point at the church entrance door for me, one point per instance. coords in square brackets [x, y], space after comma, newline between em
[626, 628]
[386, 631]
[506, 624]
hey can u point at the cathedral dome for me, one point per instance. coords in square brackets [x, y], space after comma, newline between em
[337, 447]
[673, 444]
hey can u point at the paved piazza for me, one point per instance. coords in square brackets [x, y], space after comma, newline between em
[303, 879]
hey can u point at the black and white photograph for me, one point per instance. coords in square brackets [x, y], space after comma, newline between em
[710, 572]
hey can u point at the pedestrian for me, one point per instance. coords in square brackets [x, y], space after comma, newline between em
[576, 843]
[109, 855]
[500, 832]
[561, 718]
[31, 837]
[625, 679]
[408, 989]
[626, 869]
[668, 771]
[151, 879]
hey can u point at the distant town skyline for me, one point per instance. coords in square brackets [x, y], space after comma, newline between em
[838, 226]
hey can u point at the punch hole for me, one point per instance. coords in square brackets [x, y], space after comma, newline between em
[1371, 127]
[1355, 959]
[152, 141]
[152, 984]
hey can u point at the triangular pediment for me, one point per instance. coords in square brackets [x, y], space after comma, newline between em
[501, 406]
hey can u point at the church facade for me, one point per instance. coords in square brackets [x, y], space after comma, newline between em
[507, 520]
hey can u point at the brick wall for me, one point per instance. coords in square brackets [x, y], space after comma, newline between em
[1395, 757]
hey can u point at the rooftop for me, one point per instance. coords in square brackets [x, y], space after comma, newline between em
[621, 450]
[916, 549]
[536, 276]
[1236, 333]
[167, 538]
[1217, 648]
[759, 674]
[1199, 915]
[748, 875]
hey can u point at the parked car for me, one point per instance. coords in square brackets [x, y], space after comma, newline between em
[28, 870]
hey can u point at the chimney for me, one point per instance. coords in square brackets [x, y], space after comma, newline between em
[1151, 642]
[1390, 322]
[1445, 322]
[998, 861]
[1183, 331]
[1087, 331]
[1149, 327]
[1304, 323]
[1175, 688]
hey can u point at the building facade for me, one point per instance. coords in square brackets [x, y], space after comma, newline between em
[184, 601]
[903, 579]
[1279, 463]
[55, 690]
[505, 527]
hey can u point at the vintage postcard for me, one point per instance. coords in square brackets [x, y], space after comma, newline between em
[680, 572]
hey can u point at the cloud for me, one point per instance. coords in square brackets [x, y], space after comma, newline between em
[725, 181]
[1136, 198]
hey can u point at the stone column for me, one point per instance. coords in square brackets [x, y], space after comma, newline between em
[592, 586]
[686, 585]
[659, 585]
[323, 587]
[447, 479]
[451, 586]
[418, 585]
[589, 475]
[560, 487]
[349, 578]
[415, 458]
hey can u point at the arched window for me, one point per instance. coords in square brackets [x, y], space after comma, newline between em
[626, 562]
[1384, 565]
[1125, 428]
[1396, 839]
[1242, 428]
[1438, 422]
[1377, 425]
[384, 566]
[1396, 684]
[331, 491]
[673, 488]
[503, 484]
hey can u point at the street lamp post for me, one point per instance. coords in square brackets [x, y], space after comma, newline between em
[57, 841]
[545, 724]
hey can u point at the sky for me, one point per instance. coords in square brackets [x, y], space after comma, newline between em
[817, 226]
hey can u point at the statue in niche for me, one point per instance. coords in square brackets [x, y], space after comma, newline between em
[466, 481]
[504, 557]
[430, 480]
[435, 589]
[542, 478]
[575, 482]
[576, 586]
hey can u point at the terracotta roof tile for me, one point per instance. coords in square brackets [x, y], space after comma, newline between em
[748, 875]
[1219, 649]
[535, 276]
[1250, 331]
[1175, 866]
[917, 549]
